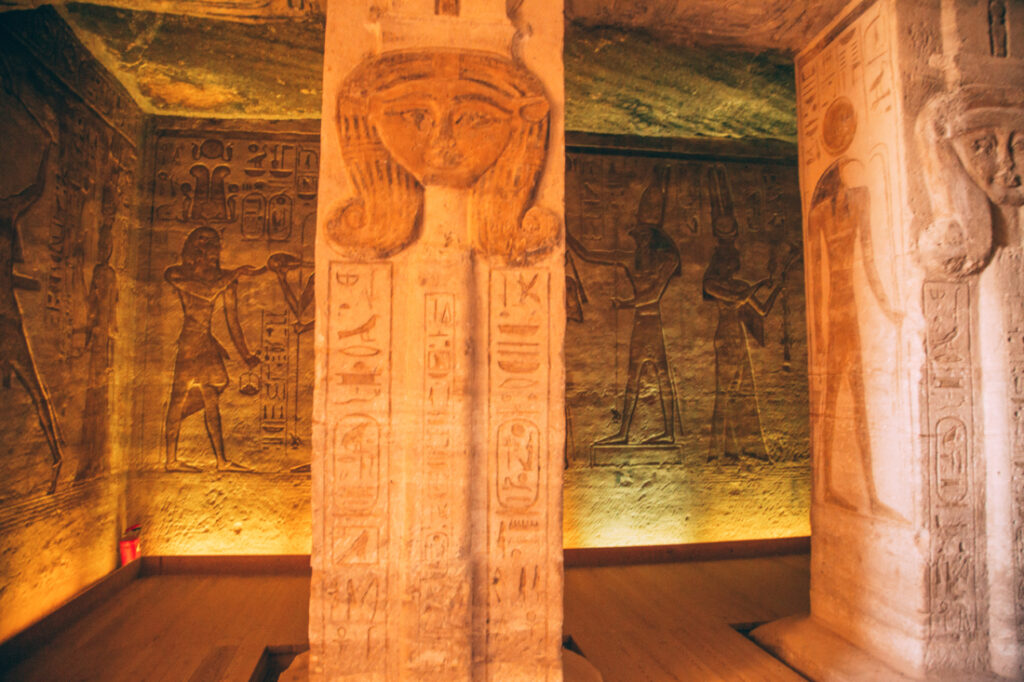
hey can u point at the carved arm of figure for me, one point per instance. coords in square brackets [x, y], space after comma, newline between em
[26, 283]
[775, 286]
[30, 195]
[732, 291]
[870, 269]
[235, 327]
[620, 257]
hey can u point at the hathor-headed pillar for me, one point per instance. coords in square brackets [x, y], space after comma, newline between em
[440, 319]
[911, 152]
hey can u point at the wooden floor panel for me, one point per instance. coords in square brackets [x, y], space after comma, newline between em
[658, 623]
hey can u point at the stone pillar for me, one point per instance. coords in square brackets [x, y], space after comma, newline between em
[911, 144]
[440, 321]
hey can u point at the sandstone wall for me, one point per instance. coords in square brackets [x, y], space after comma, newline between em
[717, 446]
[229, 342]
[67, 209]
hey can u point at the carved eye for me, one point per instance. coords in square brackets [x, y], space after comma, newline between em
[420, 118]
[1017, 144]
[474, 119]
[983, 145]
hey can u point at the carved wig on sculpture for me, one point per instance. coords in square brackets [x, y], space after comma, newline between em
[464, 120]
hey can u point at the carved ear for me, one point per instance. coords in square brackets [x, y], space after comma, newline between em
[534, 109]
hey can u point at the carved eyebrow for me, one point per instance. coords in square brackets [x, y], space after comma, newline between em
[477, 97]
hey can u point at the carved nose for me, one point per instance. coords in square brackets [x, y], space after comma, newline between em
[442, 146]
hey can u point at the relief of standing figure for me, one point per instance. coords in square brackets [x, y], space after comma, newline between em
[649, 267]
[15, 357]
[199, 372]
[736, 419]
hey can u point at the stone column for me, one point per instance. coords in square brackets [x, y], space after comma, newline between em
[440, 321]
[911, 140]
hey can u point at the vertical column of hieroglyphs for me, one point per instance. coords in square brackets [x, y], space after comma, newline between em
[520, 457]
[953, 574]
[435, 141]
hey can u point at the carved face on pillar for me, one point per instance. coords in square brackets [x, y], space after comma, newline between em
[972, 142]
[460, 119]
[443, 131]
[991, 149]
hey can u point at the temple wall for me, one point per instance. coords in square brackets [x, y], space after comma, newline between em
[722, 360]
[224, 210]
[66, 292]
[243, 191]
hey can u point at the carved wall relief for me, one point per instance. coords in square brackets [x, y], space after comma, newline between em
[955, 582]
[67, 197]
[233, 238]
[453, 119]
[443, 151]
[677, 270]
[849, 152]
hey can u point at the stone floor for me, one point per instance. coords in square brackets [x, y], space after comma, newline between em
[654, 622]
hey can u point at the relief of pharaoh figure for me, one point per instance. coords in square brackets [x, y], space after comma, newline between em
[100, 333]
[461, 120]
[199, 372]
[649, 267]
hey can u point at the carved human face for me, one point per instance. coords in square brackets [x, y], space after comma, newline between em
[992, 156]
[443, 131]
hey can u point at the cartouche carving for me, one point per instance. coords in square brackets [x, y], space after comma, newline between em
[972, 141]
[456, 119]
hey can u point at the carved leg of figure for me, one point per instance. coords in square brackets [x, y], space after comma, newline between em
[211, 411]
[172, 427]
[878, 508]
[26, 373]
[828, 417]
[668, 408]
[621, 437]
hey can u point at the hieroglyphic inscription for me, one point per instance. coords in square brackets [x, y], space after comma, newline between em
[440, 586]
[857, 67]
[953, 491]
[518, 455]
[273, 386]
[355, 504]
[1014, 315]
[258, 192]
